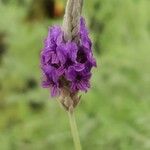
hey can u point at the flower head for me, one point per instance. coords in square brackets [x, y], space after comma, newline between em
[67, 64]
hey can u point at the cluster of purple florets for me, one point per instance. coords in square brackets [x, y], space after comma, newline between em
[67, 63]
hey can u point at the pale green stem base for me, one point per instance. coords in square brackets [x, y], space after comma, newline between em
[74, 131]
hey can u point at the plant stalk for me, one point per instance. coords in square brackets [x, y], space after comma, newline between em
[74, 131]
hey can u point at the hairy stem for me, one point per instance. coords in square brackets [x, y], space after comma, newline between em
[71, 21]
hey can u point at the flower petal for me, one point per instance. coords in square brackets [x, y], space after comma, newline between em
[54, 91]
[78, 67]
[71, 74]
[54, 59]
[72, 50]
[61, 53]
[74, 87]
[45, 84]
[60, 71]
[82, 86]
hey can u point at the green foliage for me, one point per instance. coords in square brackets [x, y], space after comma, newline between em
[113, 115]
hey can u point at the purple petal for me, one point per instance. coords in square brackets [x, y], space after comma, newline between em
[54, 91]
[86, 42]
[55, 59]
[47, 69]
[84, 35]
[92, 59]
[54, 76]
[61, 52]
[71, 74]
[60, 71]
[82, 86]
[54, 32]
[87, 76]
[78, 67]
[45, 84]
[83, 29]
[74, 87]
[59, 39]
[72, 50]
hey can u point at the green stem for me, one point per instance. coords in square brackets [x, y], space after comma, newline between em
[74, 131]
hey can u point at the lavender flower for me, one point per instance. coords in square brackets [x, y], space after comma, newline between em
[67, 64]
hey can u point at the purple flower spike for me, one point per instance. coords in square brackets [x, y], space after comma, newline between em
[67, 65]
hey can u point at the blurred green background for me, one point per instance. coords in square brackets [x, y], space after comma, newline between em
[113, 115]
